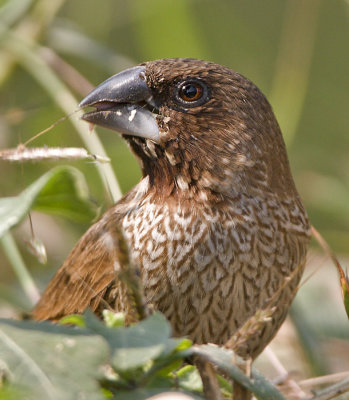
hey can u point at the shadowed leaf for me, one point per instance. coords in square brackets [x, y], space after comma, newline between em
[52, 362]
[62, 191]
[134, 346]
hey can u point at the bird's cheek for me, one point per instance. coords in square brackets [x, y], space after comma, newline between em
[164, 123]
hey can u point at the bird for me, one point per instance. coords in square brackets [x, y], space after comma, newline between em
[215, 227]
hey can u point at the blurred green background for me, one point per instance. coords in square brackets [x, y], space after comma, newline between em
[296, 51]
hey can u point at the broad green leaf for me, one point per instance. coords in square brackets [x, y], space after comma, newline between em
[170, 360]
[161, 381]
[62, 191]
[161, 369]
[65, 193]
[52, 362]
[134, 346]
[175, 345]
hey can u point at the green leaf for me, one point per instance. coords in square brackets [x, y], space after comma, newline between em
[134, 346]
[163, 369]
[11, 392]
[113, 319]
[222, 358]
[52, 362]
[170, 360]
[73, 319]
[226, 386]
[62, 191]
[189, 378]
[65, 193]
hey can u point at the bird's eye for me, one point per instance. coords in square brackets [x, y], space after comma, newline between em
[192, 93]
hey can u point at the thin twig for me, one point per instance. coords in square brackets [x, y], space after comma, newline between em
[322, 380]
[332, 391]
[129, 275]
[292, 384]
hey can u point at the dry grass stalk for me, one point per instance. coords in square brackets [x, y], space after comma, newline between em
[294, 388]
[22, 153]
[261, 317]
[249, 328]
[343, 277]
[130, 276]
[323, 380]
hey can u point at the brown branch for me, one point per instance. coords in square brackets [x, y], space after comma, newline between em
[209, 379]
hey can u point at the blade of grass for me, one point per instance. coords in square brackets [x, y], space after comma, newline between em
[66, 40]
[293, 63]
[13, 10]
[11, 250]
[31, 26]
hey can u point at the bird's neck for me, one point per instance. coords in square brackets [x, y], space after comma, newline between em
[180, 172]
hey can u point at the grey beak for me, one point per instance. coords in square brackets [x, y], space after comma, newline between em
[121, 105]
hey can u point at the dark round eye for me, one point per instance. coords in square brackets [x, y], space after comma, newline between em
[191, 93]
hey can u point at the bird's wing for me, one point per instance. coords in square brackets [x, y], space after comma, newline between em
[86, 275]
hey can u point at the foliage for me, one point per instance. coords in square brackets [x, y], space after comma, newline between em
[61, 362]
[62, 191]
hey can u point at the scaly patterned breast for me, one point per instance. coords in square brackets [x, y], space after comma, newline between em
[209, 269]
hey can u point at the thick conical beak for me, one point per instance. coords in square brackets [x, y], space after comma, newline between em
[123, 104]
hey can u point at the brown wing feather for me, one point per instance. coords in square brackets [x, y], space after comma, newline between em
[86, 275]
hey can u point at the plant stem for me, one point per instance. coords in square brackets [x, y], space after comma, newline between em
[27, 54]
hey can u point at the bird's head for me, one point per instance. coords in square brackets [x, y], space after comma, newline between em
[197, 127]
